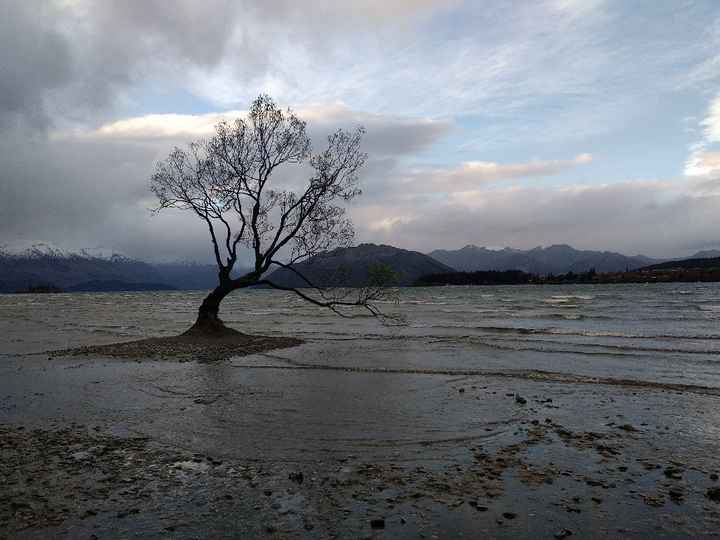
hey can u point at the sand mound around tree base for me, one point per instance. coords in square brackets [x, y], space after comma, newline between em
[187, 346]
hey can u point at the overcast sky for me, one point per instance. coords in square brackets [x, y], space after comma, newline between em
[594, 123]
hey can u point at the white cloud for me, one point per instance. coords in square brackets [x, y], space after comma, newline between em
[386, 135]
[704, 158]
[469, 175]
[155, 126]
[711, 123]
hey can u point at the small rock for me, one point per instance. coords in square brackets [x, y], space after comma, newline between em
[713, 476]
[296, 477]
[378, 523]
[563, 533]
[627, 427]
[713, 494]
[520, 400]
[461, 390]
[509, 515]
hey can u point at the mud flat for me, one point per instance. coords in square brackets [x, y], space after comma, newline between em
[291, 444]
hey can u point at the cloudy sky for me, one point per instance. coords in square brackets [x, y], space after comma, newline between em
[589, 122]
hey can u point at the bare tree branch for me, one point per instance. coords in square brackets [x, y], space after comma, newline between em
[229, 179]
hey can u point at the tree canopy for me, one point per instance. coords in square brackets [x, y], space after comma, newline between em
[237, 183]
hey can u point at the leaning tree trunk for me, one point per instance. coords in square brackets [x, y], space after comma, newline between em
[208, 320]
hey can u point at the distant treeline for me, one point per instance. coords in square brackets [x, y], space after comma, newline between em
[489, 277]
[518, 277]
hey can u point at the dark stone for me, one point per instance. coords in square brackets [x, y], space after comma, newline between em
[563, 533]
[713, 494]
[509, 515]
[378, 523]
[296, 477]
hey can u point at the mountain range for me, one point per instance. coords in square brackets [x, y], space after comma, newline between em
[39, 264]
[556, 259]
[42, 264]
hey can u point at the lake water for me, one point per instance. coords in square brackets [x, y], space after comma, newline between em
[372, 413]
[657, 332]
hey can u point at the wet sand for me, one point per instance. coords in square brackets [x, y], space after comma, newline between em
[307, 442]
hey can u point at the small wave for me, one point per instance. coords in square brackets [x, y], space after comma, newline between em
[572, 297]
[594, 333]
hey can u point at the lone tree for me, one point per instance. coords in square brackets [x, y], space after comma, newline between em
[229, 181]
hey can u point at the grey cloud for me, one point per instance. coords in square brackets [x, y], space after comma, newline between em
[655, 218]
[35, 59]
[91, 190]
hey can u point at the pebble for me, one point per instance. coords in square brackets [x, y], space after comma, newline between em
[563, 533]
[378, 523]
[296, 477]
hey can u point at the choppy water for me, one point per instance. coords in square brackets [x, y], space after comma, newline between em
[658, 332]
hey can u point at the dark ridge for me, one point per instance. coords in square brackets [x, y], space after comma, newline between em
[686, 264]
[555, 259]
[491, 277]
[351, 267]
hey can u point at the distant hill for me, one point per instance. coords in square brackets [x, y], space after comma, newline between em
[556, 259]
[32, 265]
[190, 276]
[49, 267]
[706, 254]
[686, 264]
[349, 267]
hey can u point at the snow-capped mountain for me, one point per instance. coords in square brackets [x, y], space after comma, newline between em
[38, 249]
[28, 264]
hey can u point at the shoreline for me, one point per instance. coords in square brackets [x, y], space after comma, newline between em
[173, 448]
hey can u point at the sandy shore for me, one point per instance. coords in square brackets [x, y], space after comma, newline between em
[282, 445]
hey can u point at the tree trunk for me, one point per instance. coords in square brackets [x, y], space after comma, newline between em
[208, 320]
